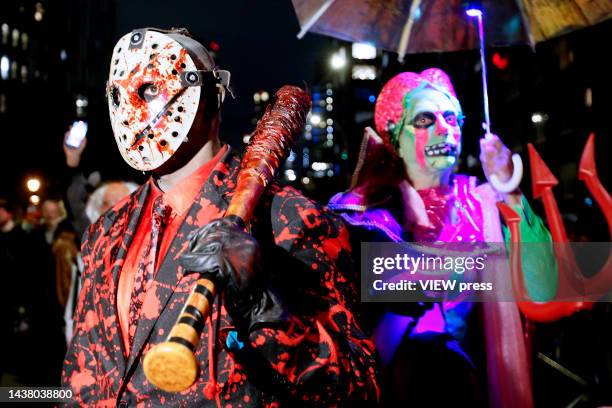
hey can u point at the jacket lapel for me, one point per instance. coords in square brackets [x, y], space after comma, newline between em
[120, 226]
[210, 203]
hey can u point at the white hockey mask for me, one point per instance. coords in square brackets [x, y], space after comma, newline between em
[153, 92]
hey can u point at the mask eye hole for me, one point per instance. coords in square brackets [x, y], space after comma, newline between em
[114, 95]
[147, 92]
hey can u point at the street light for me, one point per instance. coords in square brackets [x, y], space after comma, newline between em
[33, 184]
[338, 59]
[539, 117]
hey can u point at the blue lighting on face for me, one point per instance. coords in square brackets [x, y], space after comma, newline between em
[473, 12]
[372, 98]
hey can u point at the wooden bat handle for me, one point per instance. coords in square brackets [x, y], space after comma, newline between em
[171, 366]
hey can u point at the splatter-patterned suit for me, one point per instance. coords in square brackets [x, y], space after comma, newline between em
[318, 356]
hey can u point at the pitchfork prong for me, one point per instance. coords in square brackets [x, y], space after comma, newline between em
[587, 173]
[541, 176]
[543, 181]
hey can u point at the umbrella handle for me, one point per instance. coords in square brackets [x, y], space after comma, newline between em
[513, 183]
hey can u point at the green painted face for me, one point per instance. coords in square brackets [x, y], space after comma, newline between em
[429, 137]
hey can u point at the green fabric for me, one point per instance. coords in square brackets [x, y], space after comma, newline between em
[539, 261]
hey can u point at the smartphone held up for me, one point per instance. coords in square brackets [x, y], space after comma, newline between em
[76, 134]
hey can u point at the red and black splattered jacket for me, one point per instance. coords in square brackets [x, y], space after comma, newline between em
[318, 356]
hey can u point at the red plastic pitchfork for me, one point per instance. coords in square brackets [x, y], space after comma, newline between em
[569, 274]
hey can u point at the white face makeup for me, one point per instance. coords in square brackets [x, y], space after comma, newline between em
[151, 105]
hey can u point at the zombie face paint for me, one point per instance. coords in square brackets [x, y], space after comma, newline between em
[420, 115]
[152, 97]
[430, 131]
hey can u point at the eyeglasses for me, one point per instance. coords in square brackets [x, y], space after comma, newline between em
[424, 120]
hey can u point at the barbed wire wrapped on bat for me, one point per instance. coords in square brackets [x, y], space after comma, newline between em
[274, 136]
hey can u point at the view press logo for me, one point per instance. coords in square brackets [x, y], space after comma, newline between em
[478, 272]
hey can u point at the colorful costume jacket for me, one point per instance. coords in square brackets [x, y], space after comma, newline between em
[317, 356]
[466, 213]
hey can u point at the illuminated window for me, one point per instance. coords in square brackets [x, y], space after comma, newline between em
[363, 51]
[5, 33]
[24, 41]
[14, 69]
[39, 13]
[364, 72]
[15, 35]
[5, 64]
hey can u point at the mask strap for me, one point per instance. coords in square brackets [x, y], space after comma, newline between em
[220, 77]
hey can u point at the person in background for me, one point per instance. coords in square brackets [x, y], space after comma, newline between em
[106, 196]
[84, 205]
[15, 318]
[54, 220]
[84, 208]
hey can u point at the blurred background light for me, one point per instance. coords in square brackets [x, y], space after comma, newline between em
[34, 199]
[315, 119]
[364, 72]
[33, 184]
[539, 117]
[338, 59]
[363, 51]
[5, 65]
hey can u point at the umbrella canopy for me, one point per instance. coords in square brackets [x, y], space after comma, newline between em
[419, 26]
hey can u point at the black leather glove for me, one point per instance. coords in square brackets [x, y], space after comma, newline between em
[230, 257]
